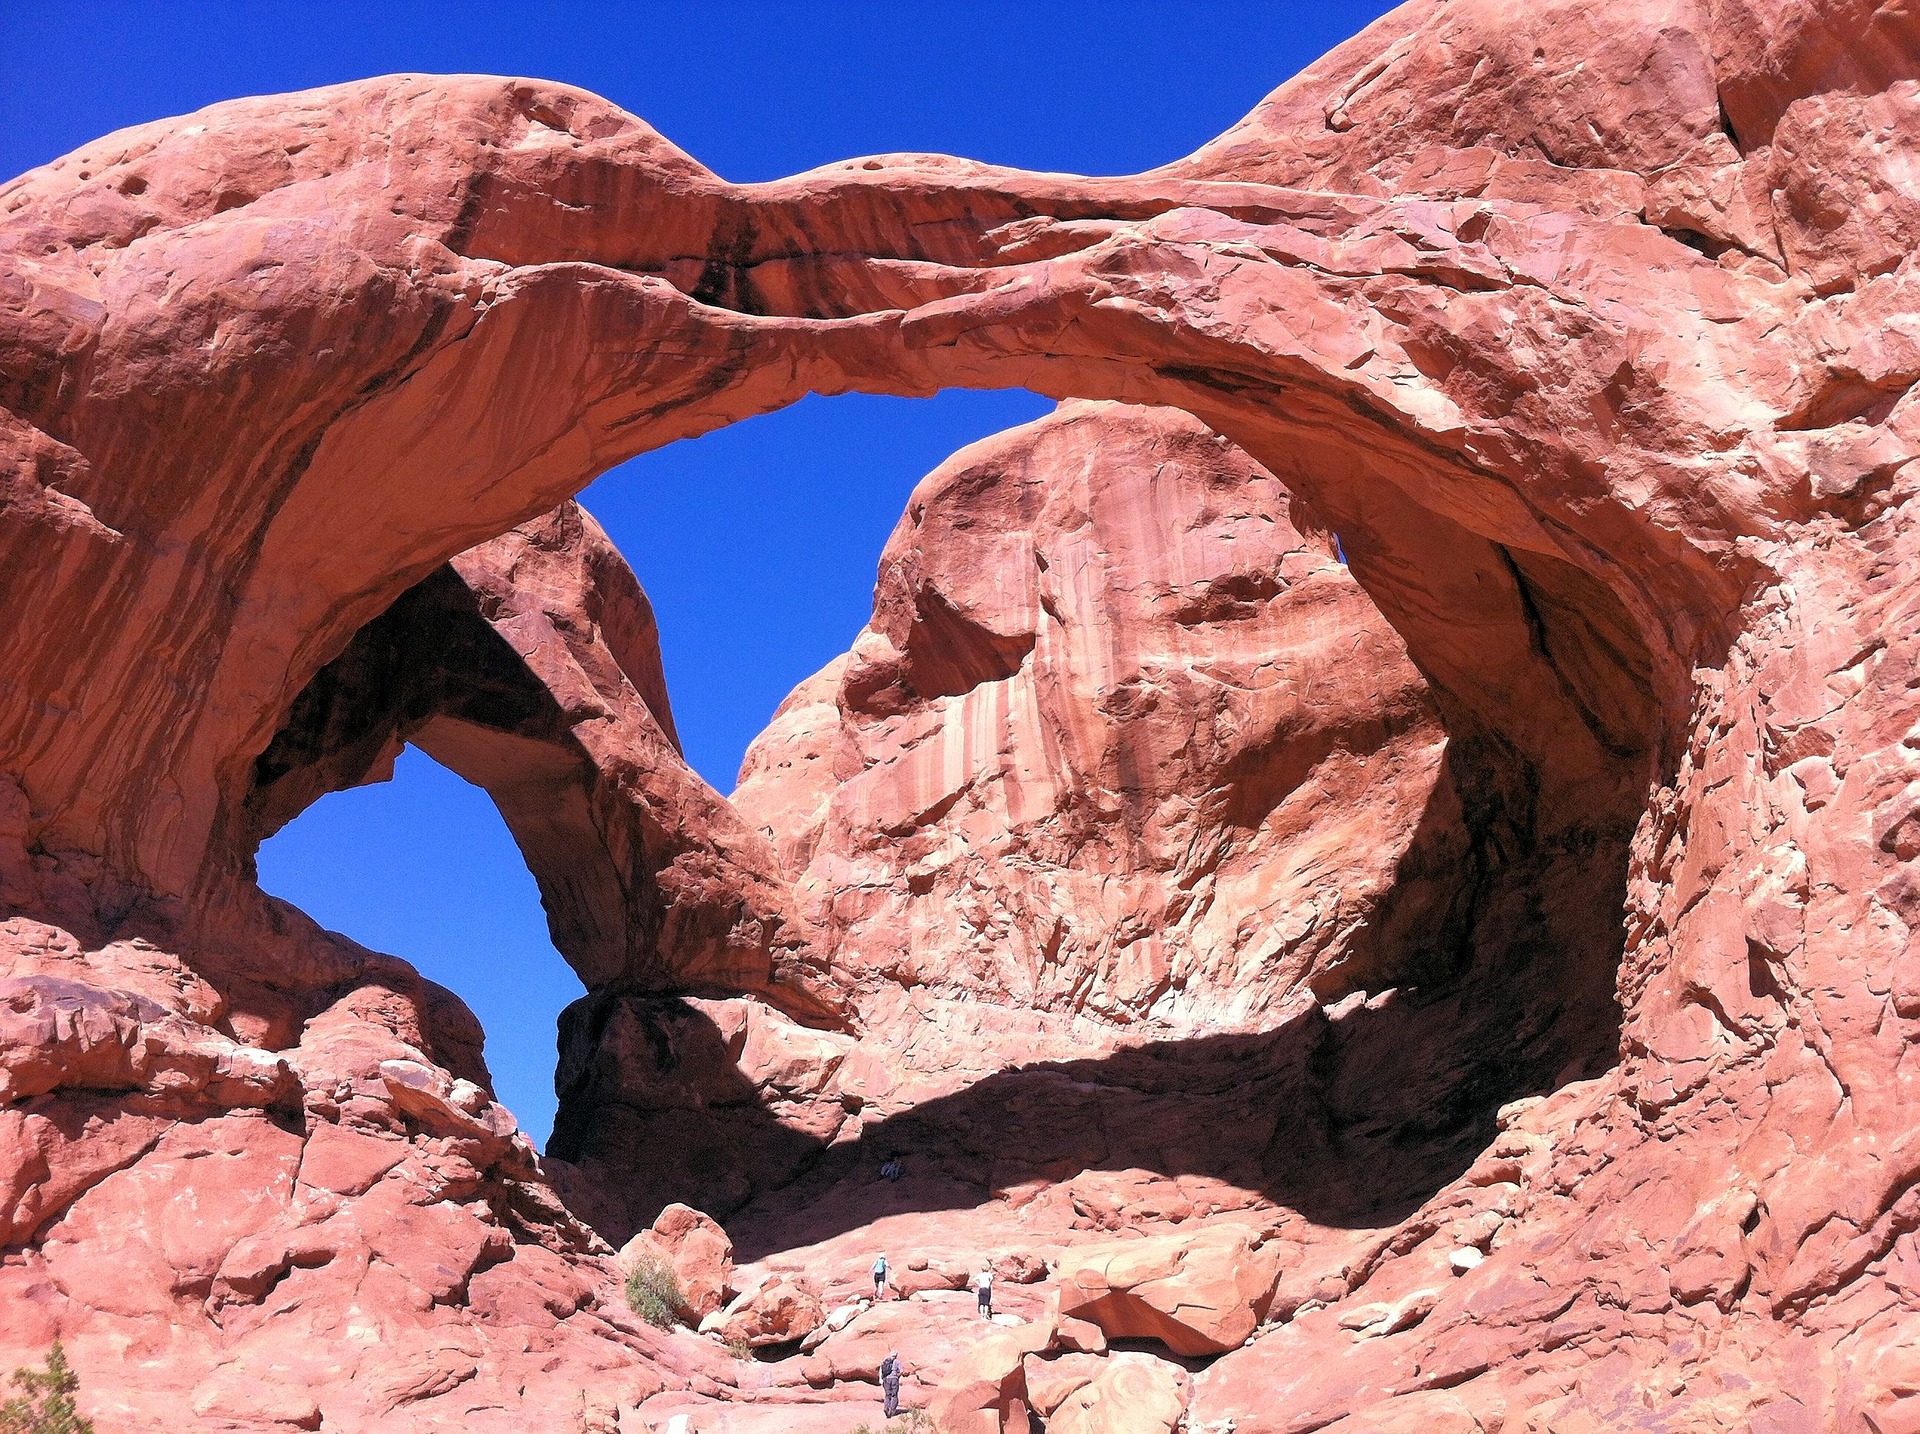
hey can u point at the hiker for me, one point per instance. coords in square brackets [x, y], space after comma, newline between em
[890, 1384]
[880, 1277]
[983, 1289]
[891, 1170]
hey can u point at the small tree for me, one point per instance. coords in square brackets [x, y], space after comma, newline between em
[45, 1405]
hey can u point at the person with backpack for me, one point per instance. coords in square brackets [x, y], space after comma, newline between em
[890, 1384]
[880, 1277]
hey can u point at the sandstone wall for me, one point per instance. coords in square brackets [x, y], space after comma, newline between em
[1118, 740]
[1590, 331]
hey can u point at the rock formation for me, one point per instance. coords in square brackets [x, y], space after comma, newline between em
[1591, 333]
[1108, 742]
[531, 666]
[1098, 786]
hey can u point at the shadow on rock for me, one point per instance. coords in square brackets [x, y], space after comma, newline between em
[1353, 1115]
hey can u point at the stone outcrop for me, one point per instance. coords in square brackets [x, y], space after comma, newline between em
[530, 665]
[1131, 1394]
[1198, 1292]
[783, 1309]
[1048, 803]
[1589, 330]
[1109, 744]
[986, 1389]
[279, 1226]
[697, 1253]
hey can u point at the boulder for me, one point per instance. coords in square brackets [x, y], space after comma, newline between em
[985, 1390]
[781, 1309]
[1131, 1394]
[695, 1250]
[1199, 1291]
[881, 772]
[1051, 1378]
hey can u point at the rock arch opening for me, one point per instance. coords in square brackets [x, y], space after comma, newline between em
[757, 543]
[1066, 615]
[421, 866]
[530, 666]
[1553, 633]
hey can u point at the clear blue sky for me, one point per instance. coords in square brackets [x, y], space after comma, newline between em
[758, 543]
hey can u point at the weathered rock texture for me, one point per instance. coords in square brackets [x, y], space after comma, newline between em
[1591, 330]
[530, 665]
[1139, 761]
[1118, 740]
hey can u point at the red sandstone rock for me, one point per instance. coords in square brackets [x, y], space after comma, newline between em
[696, 1250]
[1132, 1394]
[1590, 331]
[985, 1391]
[783, 1309]
[1199, 1292]
[531, 666]
[1107, 744]
[1051, 1380]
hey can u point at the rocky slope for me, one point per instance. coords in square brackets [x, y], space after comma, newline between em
[1590, 330]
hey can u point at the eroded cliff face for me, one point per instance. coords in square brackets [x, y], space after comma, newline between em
[1590, 331]
[1119, 740]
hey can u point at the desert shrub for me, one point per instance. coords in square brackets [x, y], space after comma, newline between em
[653, 1294]
[45, 1403]
[913, 1421]
[739, 1349]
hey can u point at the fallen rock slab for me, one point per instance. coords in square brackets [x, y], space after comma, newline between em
[1199, 1292]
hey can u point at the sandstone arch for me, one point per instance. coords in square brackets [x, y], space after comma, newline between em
[1614, 419]
[548, 371]
[530, 665]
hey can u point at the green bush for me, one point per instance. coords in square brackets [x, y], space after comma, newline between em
[652, 1293]
[45, 1405]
